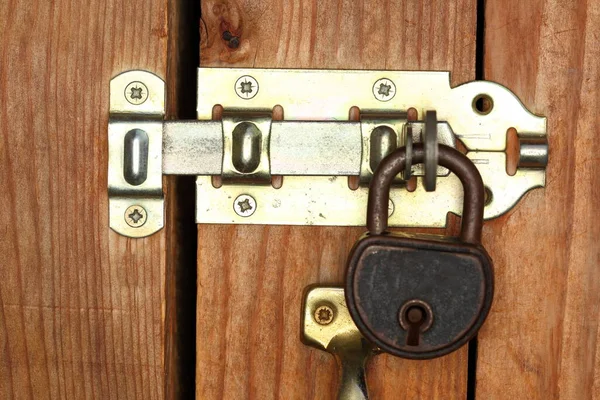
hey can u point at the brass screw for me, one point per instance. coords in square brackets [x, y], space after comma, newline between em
[384, 89]
[135, 216]
[244, 205]
[136, 93]
[246, 87]
[324, 315]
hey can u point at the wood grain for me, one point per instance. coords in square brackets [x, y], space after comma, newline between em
[251, 278]
[81, 308]
[541, 340]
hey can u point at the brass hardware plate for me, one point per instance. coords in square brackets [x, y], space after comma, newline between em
[312, 200]
[136, 210]
[329, 95]
[314, 148]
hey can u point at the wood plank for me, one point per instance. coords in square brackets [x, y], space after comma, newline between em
[82, 308]
[251, 278]
[541, 340]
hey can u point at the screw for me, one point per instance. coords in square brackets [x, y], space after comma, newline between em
[244, 205]
[391, 208]
[246, 87]
[232, 41]
[384, 89]
[227, 36]
[135, 216]
[324, 315]
[136, 93]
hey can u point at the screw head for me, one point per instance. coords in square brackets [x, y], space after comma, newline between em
[391, 208]
[234, 43]
[384, 89]
[244, 205]
[246, 87]
[135, 216]
[324, 315]
[227, 36]
[136, 93]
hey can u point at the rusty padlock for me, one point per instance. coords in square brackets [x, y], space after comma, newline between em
[420, 296]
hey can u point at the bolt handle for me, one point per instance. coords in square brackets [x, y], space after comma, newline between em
[353, 382]
[328, 326]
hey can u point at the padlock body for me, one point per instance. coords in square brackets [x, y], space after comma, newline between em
[386, 272]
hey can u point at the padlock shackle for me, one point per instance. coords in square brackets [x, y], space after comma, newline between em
[456, 162]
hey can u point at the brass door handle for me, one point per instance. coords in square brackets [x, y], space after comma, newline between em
[328, 326]
[353, 384]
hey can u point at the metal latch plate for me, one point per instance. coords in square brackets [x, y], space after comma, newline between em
[329, 95]
[315, 147]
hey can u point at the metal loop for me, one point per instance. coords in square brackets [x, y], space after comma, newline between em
[430, 138]
[408, 143]
[455, 161]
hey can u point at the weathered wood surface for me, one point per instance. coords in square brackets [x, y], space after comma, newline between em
[81, 308]
[541, 340]
[251, 278]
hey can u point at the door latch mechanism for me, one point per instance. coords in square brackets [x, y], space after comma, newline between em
[329, 125]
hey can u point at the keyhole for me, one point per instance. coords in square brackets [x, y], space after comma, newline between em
[415, 318]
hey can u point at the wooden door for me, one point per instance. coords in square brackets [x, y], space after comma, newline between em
[82, 310]
[540, 340]
[88, 314]
[251, 278]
